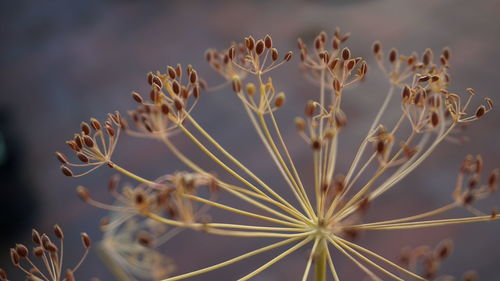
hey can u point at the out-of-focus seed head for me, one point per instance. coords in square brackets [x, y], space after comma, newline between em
[69, 275]
[300, 123]
[83, 193]
[280, 100]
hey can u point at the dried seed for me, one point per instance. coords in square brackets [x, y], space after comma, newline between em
[376, 47]
[346, 54]
[88, 141]
[481, 110]
[61, 157]
[316, 144]
[268, 42]
[300, 123]
[69, 275]
[171, 72]
[137, 97]
[193, 77]
[288, 56]
[35, 237]
[280, 100]
[85, 240]
[14, 257]
[82, 157]
[196, 92]
[22, 251]
[176, 87]
[83, 193]
[310, 108]
[95, 124]
[85, 128]
[178, 104]
[274, 54]
[58, 231]
[66, 171]
[434, 119]
[393, 55]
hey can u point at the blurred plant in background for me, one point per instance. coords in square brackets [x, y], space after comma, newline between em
[327, 214]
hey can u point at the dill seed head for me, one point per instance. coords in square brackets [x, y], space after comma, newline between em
[327, 213]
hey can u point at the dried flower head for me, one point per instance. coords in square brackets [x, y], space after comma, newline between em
[326, 214]
[48, 254]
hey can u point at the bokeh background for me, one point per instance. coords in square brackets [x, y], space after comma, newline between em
[65, 61]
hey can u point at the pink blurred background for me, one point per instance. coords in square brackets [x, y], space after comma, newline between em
[65, 61]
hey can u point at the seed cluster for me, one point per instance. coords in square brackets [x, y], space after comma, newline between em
[48, 264]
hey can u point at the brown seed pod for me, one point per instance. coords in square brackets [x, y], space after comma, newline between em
[346, 53]
[82, 157]
[85, 240]
[85, 128]
[137, 97]
[61, 157]
[376, 47]
[95, 124]
[171, 71]
[58, 232]
[481, 110]
[14, 257]
[268, 42]
[274, 54]
[393, 55]
[288, 56]
[83, 193]
[434, 119]
[300, 123]
[193, 77]
[88, 141]
[66, 171]
[35, 237]
[280, 100]
[69, 275]
[22, 251]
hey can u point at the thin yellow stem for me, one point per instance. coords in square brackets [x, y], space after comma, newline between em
[330, 263]
[210, 228]
[415, 217]
[276, 259]
[241, 212]
[309, 260]
[366, 251]
[239, 164]
[367, 260]
[424, 224]
[236, 259]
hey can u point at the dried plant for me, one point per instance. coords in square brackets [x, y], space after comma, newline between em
[49, 256]
[326, 214]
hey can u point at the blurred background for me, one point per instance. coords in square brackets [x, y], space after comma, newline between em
[65, 61]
